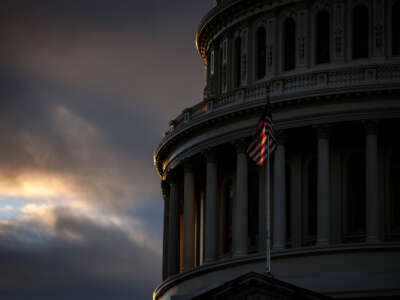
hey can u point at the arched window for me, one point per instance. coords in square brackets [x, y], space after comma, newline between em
[396, 29]
[322, 33]
[238, 61]
[360, 31]
[355, 206]
[289, 46]
[261, 52]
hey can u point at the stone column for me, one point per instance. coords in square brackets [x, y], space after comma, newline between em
[240, 207]
[188, 217]
[262, 209]
[211, 208]
[164, 188]
[279, 205]
[371, 167]
[323, 187]
[296, 190]
[173, 228]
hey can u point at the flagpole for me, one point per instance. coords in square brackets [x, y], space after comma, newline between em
[268, 268]
[268, 192]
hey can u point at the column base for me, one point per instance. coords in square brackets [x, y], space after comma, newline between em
[278, 248]
[239, 255]
[262, 250]
[186, 269]
[372, 240]
[322, 243]
[209, 261]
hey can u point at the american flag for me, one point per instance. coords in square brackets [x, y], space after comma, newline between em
[258, 147]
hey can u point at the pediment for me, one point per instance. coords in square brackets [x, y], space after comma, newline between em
[255, 286]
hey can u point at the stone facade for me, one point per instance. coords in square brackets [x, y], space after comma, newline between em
[332, 71]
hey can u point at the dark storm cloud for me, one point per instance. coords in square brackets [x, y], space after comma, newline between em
[30, 119]
[86, 89]
[83, 260]
[126, 84]
[104, 12]
[82, 46]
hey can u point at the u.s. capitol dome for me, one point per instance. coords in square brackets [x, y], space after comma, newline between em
[332, 72]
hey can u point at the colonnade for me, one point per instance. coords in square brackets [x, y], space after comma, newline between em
[240, 201]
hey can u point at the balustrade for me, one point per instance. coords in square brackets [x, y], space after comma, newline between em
[325, 82]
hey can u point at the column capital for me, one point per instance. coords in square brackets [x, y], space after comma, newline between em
[210, 154]
[188, 165]
[371, 126]
[172, 180]
[281, 136]
[241, 146]
[171, 177]
[164, 188]
[323, 131]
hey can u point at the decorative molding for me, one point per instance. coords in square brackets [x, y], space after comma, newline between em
[283, 124]
[322, 5]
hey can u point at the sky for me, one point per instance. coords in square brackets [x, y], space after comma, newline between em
[86, 90]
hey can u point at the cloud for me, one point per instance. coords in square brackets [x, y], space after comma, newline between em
[82, 202]
[145, 57]
[72, 158]
[87, 90]
[82, 259]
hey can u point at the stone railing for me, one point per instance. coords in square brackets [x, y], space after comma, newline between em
[284, 88]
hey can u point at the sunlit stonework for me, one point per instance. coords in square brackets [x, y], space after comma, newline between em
[332, 69]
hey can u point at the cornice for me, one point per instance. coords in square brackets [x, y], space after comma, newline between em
[283, 125]
[251, 109]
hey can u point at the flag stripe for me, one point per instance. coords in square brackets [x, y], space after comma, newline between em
[257, 149]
